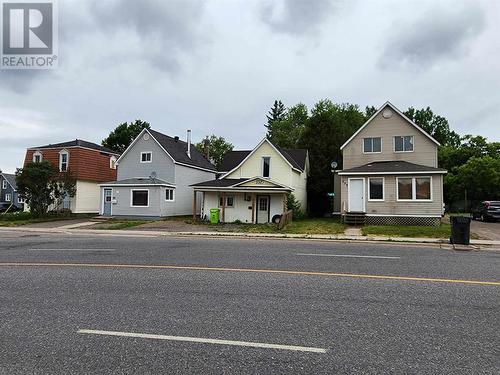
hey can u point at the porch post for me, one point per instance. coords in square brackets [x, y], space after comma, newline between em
[253, 208]
[194, 205]
[223, 207]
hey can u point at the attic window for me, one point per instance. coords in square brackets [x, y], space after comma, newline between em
[266, 167]
[112, 162]
[146, 157]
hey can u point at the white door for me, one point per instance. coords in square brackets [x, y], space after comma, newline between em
[262, 209]
[356, 195]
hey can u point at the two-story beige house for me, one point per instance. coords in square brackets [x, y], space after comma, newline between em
[255, 184]
[391, 173]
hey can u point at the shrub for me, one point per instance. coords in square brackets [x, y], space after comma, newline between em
[293, 204]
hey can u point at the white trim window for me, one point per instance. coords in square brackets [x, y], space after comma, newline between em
[4, 184]
[8, 197]
[414, 189]
[20, 200]
[37, 157]
[229, 201]
[139, 198]
[112, 162]
[403, 143]
[146, 157]
[372, 145]
[63, 161]
[376, 189]
[169, 195]
[266, 166]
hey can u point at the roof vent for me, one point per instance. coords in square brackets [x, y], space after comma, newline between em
[176, 138]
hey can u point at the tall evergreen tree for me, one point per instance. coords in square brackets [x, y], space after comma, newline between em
[274, 117]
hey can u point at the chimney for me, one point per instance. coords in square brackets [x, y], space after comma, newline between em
[189, 143]
[176, 139]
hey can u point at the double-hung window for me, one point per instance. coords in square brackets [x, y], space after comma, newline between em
[403, 143]
[414, 188]
[4, 184]
[63, 161]
[37, 157]
[266, 167]
[376, 188]
[372, 145]
[8, 197]
[169, 195]
[146, 157]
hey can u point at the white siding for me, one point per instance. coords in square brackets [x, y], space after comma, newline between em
[87, 198]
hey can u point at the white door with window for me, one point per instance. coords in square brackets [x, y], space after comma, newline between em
[108, 193]
[262, 209]
[356, 195]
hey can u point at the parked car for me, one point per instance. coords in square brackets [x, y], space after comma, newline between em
[486, 211]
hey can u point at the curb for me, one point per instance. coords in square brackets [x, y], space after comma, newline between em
[340, 238]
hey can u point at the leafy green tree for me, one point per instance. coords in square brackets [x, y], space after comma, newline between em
[287, 131]
[293, 204]
[214, 148]
[479, 178]
[42, 185]
[437, 126]
[329, 126]
[370, 111]
[123, 135]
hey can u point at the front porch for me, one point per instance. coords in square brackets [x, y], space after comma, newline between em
[252, 201]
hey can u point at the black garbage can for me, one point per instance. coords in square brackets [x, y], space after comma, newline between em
[460, 230]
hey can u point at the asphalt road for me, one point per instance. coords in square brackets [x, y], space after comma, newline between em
[431, 314]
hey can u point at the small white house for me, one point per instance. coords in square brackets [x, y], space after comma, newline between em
[255, 184]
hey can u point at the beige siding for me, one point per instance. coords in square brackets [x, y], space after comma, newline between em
[390, 205]
[87, 198]
[280, 171]
[424, 150]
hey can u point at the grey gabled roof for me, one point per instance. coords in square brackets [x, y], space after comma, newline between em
[11, 179]
[177, 150]
[296, 157]
[77, 143]
[392, 167]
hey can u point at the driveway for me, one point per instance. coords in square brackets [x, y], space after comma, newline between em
[486, 230]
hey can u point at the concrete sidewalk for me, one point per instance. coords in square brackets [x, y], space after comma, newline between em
[339, 237]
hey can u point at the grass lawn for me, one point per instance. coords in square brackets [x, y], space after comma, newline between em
[442, 231]
[304, 226]
[113, 224]
[24, 218]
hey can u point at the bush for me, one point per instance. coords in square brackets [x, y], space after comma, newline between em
[293, 204]
[15, 216]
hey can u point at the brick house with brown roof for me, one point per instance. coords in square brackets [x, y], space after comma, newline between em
[89, 163]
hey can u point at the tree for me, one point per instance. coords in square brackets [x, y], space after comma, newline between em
[287, 131]
[276, 114]
[215, 147]
[41, 185]
[123, 135]
[293, 204]
[329, 126]
[370, 111]
[437, 126]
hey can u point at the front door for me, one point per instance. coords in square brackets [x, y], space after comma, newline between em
[356, 195]
[107, 202]
[262, 209]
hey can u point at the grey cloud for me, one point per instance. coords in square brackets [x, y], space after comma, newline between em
[437, 34]
[297, 17]
[20, 81]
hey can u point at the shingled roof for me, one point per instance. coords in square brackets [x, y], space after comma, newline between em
[296, 157]
[77, 143]
[177, 150]
[389, 167]
[11, 179]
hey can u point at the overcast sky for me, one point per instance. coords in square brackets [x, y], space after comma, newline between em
[217, 66]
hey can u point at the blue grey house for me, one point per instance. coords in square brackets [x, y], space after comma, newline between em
[8, 191]
[154, 177]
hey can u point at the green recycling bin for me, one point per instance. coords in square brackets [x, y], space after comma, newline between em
[214, 216]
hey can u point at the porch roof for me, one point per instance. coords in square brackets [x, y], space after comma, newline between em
[237, 185]
[392, 167]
